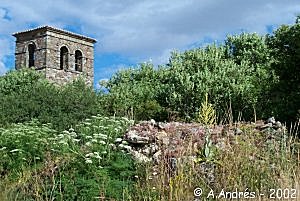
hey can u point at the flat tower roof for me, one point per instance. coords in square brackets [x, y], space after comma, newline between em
[56, 30]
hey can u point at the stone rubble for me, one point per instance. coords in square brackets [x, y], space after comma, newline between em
[150, 141]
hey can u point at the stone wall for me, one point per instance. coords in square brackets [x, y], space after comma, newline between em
[54, 43]
[61, 77]
[22, 55]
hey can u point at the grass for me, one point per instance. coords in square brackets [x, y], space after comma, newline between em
[252, 162]
[39, 163]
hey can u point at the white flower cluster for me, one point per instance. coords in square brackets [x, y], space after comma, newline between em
[90, 156]
[65, 137]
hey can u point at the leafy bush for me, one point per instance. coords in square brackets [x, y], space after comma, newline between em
[284, 44]
[24, 95]
[21, 80]
[133, 93]
[234, 83]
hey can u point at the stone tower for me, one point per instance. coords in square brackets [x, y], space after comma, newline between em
[61, 55]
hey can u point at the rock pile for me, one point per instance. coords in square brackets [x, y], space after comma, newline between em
[152, 141]
[169, 143]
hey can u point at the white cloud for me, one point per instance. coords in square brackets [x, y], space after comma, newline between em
[5, 50]
[147, 28]
[106, 71]
[3, 69]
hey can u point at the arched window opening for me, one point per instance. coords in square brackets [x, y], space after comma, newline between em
[31, 55]
[64, 57]
[78, 60]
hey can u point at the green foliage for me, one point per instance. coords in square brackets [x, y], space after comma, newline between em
[24, 145]
[208, 153]
[132, 92]
[24, 95]
[249, 47]
[39, 163]
[252, 48]
[19, 81]
[207, 114]
[285, 46]
[236, 75]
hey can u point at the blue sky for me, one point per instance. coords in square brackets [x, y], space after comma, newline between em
[134, 31]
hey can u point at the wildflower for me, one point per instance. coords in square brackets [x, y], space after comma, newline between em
[102, 136]
[88, 137]
[3, 148]
[14, 150]
[73, 134]
[88, 144]
[60, 136]
[104, 152]
[89, 154]
[88, 160]
[63, 142]
[87, 123]
[76, 140]
[118, 140]
[71, 129]
[98, 157]
[102, 142]
[94, 140]
[100, 167]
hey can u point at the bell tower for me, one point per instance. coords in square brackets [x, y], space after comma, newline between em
[60, 55]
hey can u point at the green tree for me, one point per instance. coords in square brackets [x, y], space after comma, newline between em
[252, 48]
[133, 93]
[232, 85]
[234, 80]
[285, 46]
